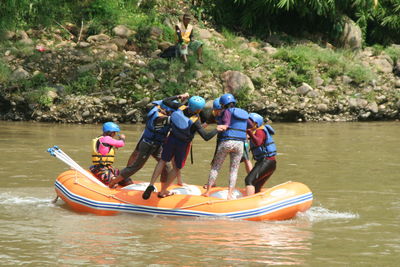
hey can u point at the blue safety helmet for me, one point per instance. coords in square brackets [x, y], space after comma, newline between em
[226, 99]
[257, 118]
[110, 127]
[196, 103]
[216, 104]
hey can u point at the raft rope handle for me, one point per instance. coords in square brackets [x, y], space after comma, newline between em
[90, 189]
[55, 151]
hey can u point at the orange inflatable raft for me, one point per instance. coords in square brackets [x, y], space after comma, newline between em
[280, 202]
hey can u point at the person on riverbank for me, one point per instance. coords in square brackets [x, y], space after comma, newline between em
[150, 144]
[263, 147]
[185, 123]
[103, 154]
[185, 40]
[231, 142]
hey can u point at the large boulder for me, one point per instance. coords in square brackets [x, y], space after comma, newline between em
[351, 37]
[155, 33]
[304, 89]
[122, 31]
[20, 74]
[234, 81]
[383, 63]
[98, 38]
[204, 33]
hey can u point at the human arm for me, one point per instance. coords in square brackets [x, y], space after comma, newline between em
[258, 138]
[113, 142]
[169, 101]
[178, 34]
[203, 133]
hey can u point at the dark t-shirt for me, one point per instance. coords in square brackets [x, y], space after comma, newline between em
[196, 127]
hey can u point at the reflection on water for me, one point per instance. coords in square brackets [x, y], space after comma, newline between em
[223, 242]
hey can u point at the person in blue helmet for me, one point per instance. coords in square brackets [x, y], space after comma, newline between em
[185, 123]
[231, 142]
[217, 118]
[150, 144]
[103, 154]
[263, 147]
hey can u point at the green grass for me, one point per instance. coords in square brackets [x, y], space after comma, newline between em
[304, 62]
[393, 52]
[4, 71]
[40, 96]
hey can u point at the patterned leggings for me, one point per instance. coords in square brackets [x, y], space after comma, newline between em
[235, 149]
[104, 173]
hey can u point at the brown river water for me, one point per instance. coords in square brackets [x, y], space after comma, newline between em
[353, 170]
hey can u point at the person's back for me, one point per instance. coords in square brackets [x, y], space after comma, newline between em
[230, 142]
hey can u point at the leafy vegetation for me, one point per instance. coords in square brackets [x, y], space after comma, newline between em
[379, 20]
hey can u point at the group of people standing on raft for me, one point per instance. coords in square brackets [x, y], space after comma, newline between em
[170, 128]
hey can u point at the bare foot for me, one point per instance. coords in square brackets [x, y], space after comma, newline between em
[165, 194]
[205, 185]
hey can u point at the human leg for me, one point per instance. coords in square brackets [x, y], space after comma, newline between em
[167, 154]
[218, 160]
[183, 51]
[251, 178]
[200, 54]
[171, 177]
[197, 46]
[236, 153]
[267, 169]
[168, 167]
[248, 165]
[157, 171]
[246, 158]
[137, 160]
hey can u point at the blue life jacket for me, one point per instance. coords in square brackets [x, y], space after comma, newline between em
[154, 133]
[238, 125]
[268, 149]
[180, 125]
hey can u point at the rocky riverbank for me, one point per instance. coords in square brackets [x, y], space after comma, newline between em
[67, 75]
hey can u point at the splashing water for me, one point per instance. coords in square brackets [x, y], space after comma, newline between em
[8, 199]
[317, 214]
